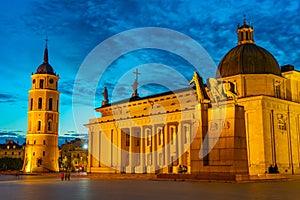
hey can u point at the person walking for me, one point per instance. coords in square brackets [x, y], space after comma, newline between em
[62, 176]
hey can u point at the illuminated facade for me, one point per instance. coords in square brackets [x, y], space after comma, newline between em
[41, 150]
[11, 149]
[73, 155]
[247, 119]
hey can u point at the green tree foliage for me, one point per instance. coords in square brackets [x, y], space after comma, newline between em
[11, 164]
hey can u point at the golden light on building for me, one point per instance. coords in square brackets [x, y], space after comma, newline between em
[41, 150]
[243, 123]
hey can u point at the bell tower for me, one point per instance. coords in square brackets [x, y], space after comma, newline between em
[41, 150]
[245, 33]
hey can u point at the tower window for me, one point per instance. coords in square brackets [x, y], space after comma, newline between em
[50, 103]
[44, 142]
[44, 153]
[31, 103]
[49, 126]
[39, 125]
[41, 84]
[34, 142]
[33, 154]
[40, 102]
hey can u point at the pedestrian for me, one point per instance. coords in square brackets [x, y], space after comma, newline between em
[69, 174]
[62, 175]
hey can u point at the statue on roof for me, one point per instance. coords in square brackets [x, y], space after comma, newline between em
[202, 96]
[105, 97]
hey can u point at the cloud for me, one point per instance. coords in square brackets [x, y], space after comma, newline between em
[8, 98]
[16, 135]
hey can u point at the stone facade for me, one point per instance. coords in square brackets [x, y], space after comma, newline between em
[73, 155]
[11, 149]
[249, 126]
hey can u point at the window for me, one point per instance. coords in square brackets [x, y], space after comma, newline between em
[31, 103]
[5, 153]
[44, 142]
[277, 91]
[34, 142]
[12, 153]
[19, 153]
[39, 125]
[50, 103]
[49, 126]
[33, 154]
[127, 141]
[40, 102]
[41, 84]
[44, 153]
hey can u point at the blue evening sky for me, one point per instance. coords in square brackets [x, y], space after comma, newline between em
[75, 27]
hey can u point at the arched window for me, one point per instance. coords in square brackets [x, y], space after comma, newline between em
[40, 102]
[39, 125]
[44, 142]
[50, 103]
[31, 103]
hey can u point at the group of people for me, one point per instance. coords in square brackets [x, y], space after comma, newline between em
[182, 169]
[65, 176]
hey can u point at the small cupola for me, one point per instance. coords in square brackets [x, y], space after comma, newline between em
[245, 33]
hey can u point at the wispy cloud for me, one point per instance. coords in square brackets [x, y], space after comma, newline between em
[7, 98]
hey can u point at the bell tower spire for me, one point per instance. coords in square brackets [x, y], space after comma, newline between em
[46, 51]
[245, 33]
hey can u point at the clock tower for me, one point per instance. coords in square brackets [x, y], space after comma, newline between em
[41, 150]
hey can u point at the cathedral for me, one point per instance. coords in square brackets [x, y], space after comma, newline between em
[244, 122]
[41, 149]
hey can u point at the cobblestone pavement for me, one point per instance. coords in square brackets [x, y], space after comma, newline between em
[119, 187]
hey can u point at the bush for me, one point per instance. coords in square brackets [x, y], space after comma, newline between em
[11, 164]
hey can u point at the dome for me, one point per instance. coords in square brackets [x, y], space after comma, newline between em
[45, 68]
[248, 59]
